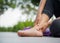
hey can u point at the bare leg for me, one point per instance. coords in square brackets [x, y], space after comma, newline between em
[34, 31]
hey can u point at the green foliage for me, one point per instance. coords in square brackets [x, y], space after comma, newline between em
[28, 23]
[13, 4]
[35, 2]
[3, 29]
[5, 3]
[26, 0]
[29, 6]
[1, 1]
[19, 26]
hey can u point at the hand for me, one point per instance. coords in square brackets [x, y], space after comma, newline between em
[43, 26]
[37, 20]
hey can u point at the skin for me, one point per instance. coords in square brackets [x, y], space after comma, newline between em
[40, 9]
[40, 25]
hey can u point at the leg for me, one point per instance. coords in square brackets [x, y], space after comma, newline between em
[55, 28]
[35, 30]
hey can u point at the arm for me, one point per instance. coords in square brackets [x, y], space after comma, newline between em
[41, 7]
[47, 14]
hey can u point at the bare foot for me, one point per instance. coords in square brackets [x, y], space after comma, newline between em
[30, 33]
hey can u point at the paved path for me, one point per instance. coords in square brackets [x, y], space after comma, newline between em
[11, 37]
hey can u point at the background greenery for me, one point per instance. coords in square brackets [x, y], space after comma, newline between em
[19, 26]
[4, 4]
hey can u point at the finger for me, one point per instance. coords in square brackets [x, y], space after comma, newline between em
[36, 22]
[40, 27]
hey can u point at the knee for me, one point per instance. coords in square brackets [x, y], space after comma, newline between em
[55, 28]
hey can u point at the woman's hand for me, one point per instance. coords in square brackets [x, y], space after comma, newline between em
[37, 20]
[40, 10]
[41, 26]
[44, 26]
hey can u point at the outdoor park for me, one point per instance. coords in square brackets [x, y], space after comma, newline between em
[19, 15]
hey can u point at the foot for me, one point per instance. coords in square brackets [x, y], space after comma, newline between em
[30, 33]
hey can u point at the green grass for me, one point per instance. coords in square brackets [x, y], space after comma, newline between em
[18, 26]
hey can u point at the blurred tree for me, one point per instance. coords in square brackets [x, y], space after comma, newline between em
[26, 5]
[29, 6]
[4, 4]
[35, 2]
